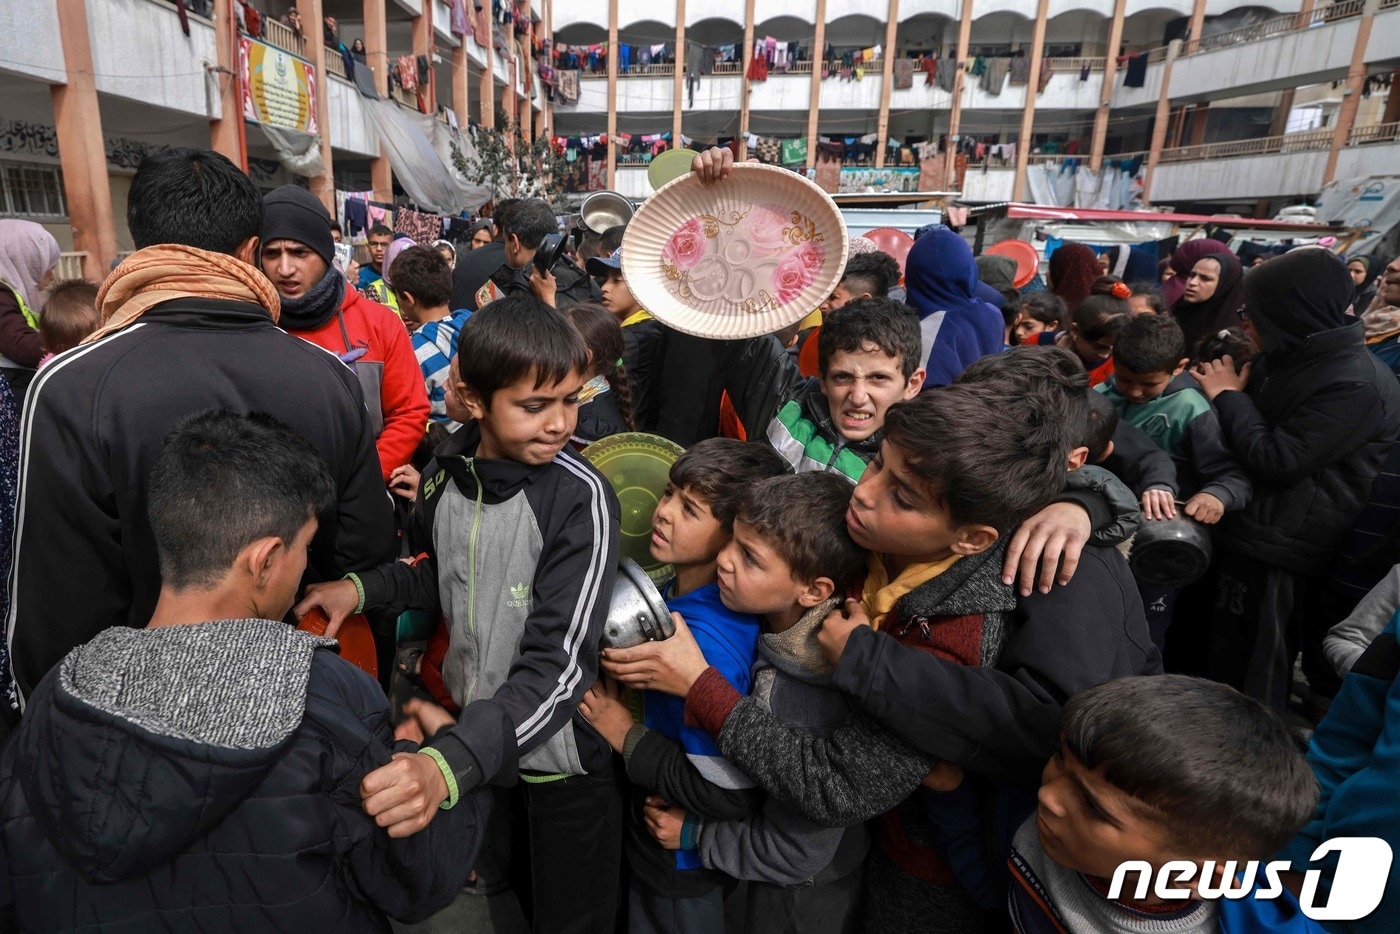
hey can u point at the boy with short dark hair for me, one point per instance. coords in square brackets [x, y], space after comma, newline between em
[867, 275]
[1157, 770]
[423, 281]
[693, 523]
[235, 801]
[523, 543]
[790, 560]
[868, 352]
[1151, 391]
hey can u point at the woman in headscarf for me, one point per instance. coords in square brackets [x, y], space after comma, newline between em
[1311, 420]
[957, 326]
[1366, 273]
[1212, 297]
[1181, 262]
[28, 255]
[483, 232]
[1073, 269]
[382, 289]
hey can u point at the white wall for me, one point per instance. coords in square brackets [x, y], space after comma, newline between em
[1374, 159]
[732, 10]
[643, 95]
[351, 126]
[788, 92]
[632, 182]
[442, 25]
[139, 53]
[629, 12]
[1147, 94]
[840, 94]
[1243, 178]
[1280, 61]
[1385, 36]
[33, 49]
[991, 185]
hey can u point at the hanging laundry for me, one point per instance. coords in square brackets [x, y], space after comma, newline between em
[794, 151]
[929, 66]
[408, 72]
[758, 68]
[780, 56]
[979, 66]
[1083, 73]
[1135, 76]
[770, 150]
[994, 75]
[947, 74]
[568, 85]
[903, 74]
[1020, 70]
[1046, 73]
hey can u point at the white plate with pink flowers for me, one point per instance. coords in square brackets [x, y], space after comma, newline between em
[738, 258]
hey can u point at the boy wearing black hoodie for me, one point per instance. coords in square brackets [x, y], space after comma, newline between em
[205, 772]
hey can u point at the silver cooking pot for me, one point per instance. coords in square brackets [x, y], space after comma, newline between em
[637, 613]
[1170, 552]
[604, 209]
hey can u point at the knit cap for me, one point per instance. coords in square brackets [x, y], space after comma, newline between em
[293, 213]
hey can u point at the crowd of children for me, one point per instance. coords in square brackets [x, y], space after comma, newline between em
[914, 682]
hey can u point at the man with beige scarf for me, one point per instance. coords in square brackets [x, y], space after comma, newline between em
[190, 324]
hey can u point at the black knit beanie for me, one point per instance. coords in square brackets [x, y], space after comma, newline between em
[292, 213]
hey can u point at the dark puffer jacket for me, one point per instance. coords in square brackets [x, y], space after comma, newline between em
[1311, 429]
[206, 777]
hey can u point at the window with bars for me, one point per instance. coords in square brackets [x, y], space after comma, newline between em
[29, 189]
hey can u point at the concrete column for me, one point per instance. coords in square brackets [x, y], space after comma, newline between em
[226, 131]
[423, 45]
[546, 105]
[678, 83]
[882, 128]
[527, 79]
[816, 102]
[1279, 124]
[81, 151]
[1159, 123]
[955, 113]
[1110, 71]
[1023, 142]
[744, 82]
[461, 83]
[488, 77]
[377, 57]
[1193, 26]
[322, 186]
[612, 94]
[1351, 100]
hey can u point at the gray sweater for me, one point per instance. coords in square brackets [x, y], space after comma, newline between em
[825, 768]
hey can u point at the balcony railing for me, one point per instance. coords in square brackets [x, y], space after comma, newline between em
[661, 70]
[1345, 9]
[1157, 55]
[275, 32]
[1291, 142]
[70, 265]
[336, 65]
[729, 68]
[1076, 64]
[407, 98]
[1379, 133]
[634, 158]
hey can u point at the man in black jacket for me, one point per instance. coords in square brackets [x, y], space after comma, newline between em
[506, 266]
[174, 344]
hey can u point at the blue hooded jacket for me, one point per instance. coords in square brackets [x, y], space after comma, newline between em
[957, 326]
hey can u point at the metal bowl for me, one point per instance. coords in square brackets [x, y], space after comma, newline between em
[604, 209]
[637, 613]
[1170, 552]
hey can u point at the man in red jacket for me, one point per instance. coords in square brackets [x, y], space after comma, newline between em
[317, 306]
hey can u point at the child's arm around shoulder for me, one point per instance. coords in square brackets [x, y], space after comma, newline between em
[857, 772]
[1220, 473]
[1003, 722]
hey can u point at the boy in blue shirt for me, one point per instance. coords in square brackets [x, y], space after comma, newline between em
[424, 284]
[694, 521]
